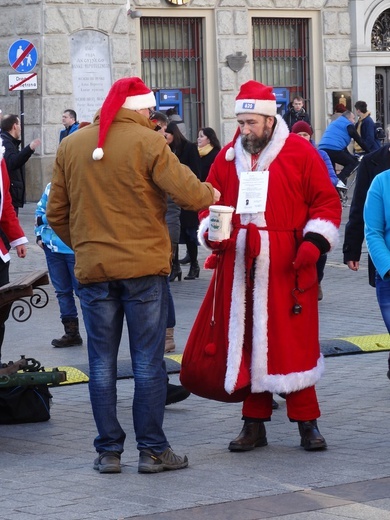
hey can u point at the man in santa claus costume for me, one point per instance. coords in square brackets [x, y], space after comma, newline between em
[261, 308]
[11, 236]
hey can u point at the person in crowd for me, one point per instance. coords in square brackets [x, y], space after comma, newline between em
[69, 120]
[260, 312]
[305, 130]
[187, 154]
[335, 140]
[370, 166]
[11, 236]
[296, 113]
[15, 158]
[172, 218]
[208, 148]
[60, 263]
[174, 117]
[376, 216]
[116, 226]
[365, 127]
[339, 109]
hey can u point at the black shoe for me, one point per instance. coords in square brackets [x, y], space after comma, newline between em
[68, 340]
[311, 439]
[252, 436]
[175, 273]
[176, 393]
[186, 260]
[193, 272]
[151, 462]
[108, 462]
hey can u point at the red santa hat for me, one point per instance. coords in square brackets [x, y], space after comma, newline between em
[131, 93]
[255, 98]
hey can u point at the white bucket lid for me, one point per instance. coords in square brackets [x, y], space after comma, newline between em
[221, 209]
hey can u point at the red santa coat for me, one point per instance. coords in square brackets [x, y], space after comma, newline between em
[9, 222]
[268, 347]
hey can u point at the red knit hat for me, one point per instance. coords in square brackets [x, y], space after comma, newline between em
[131, 93]
[302, 126]
[255, 98]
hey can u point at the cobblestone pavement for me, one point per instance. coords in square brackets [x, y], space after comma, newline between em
[46, 468]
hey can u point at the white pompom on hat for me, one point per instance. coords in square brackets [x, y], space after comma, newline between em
[255, 98]
[131, 93]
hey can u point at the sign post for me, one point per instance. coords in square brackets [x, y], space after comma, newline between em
[23, 57]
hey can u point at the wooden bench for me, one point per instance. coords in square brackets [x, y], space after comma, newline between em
[22, 286]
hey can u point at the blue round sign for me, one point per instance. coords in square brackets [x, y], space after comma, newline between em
[22, 56]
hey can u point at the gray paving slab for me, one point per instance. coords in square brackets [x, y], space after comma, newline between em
[46, 468]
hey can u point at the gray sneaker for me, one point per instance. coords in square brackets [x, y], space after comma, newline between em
[150, 462]
[108, 462]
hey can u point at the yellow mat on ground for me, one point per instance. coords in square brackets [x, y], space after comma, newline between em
[374, 343]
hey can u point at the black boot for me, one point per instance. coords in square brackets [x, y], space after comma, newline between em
[72, 337]
[311, 439]
[388, 364]
[175, 394]
[193, 272]
[176, 269]
[252, 436]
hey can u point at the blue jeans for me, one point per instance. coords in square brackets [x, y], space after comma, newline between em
[61, 271]
[383, 297]
[144, 303]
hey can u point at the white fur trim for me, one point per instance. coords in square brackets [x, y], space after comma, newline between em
[139, 102]
[230, 155]
[265, 107]
[237, 315]
[203, 227]
[97, 154]
[280, 383]
[325, 228]
[270, 152]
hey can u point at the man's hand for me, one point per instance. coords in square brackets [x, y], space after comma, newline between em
[21, 250]
[34, 144]
[353, 265]
[217, 195]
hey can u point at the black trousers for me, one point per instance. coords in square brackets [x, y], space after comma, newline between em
[5, 309]
[344, 158]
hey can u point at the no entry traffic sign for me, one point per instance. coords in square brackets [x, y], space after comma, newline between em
[23, 81]
[22, 56]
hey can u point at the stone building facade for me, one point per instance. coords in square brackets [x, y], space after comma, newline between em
[339, 40]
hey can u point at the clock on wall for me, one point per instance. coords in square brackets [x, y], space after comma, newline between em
[178, 2]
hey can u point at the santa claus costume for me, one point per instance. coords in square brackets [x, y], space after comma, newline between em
[11, 235]
[258, 324]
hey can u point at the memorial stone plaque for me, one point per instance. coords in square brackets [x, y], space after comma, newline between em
[91, 71]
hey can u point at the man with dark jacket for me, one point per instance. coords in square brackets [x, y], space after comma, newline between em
[365, 127]
[371, 165]
[15, 158]
[296, 113]
[69, 120]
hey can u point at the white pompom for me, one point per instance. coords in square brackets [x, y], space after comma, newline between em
[230, 154]
[97, 154]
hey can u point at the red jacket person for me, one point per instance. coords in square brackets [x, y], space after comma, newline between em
[258, 325]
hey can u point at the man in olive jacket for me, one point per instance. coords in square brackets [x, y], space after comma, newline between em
[109, 206]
